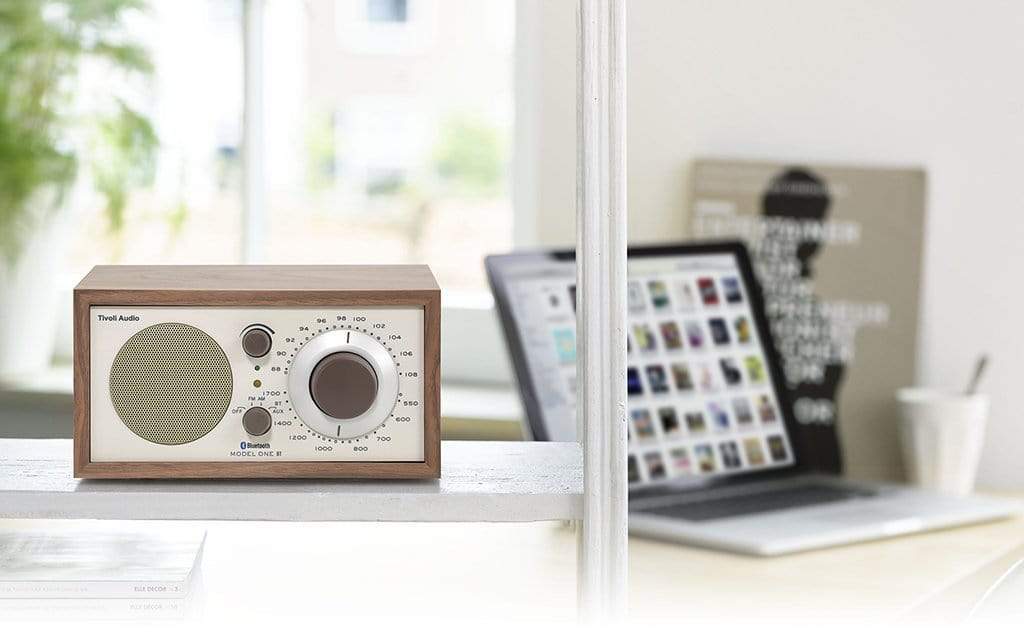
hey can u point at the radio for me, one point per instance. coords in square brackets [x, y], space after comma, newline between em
[257, 371]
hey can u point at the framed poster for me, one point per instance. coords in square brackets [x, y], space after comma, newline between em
[838, 251]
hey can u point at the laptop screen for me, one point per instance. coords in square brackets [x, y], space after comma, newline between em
[701, 397]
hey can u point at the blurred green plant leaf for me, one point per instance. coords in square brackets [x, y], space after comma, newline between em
[123, 149]
[43, 45]
[470, 155]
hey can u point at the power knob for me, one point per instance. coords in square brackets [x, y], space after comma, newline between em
[343, 384]
[257, 421]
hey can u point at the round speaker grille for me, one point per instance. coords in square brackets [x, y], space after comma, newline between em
[170, 383]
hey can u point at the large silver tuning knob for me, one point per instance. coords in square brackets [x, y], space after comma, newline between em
[343, 384]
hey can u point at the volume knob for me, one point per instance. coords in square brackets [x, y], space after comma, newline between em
[343, 385]
[256, 342]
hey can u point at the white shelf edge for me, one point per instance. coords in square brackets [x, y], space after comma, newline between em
[481, 482]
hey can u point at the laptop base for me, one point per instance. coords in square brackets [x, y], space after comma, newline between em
[810, 512]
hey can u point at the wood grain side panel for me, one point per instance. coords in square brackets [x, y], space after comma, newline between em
[432, 382]
[120, 297]
[81, 373]
[260, 278]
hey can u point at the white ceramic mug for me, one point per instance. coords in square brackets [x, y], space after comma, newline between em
[942, 434]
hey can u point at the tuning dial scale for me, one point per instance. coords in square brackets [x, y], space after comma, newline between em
[343, 382]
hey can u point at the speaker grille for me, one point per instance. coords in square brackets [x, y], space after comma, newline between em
[170, 383]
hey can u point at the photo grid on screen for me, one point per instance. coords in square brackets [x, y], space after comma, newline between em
[700, 398]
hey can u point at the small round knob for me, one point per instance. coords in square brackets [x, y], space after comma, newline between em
[256, 342]
[256, 421]
[343, 385]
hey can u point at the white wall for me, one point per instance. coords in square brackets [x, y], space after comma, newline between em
[919, 82]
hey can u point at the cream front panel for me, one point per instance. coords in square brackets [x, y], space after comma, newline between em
[388, 427]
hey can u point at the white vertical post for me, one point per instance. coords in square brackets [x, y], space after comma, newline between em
[253, 188]
[528, 57]
[601, 280]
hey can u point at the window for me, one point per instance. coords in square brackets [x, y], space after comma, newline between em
[387, 10]
[391, 27]
[378, 157]
[367, 156]
[386, 136]
[192, 212]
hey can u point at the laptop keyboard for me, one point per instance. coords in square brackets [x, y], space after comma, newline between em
[758, 503]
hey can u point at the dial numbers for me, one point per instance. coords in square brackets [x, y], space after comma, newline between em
[368, 343]
[328, 433]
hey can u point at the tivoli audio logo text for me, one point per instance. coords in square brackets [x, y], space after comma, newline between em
[117, 318]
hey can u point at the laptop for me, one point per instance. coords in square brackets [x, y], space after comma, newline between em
[712, 453]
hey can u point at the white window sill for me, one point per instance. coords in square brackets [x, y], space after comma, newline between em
[51, 389]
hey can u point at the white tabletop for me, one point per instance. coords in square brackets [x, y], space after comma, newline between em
[516, 573]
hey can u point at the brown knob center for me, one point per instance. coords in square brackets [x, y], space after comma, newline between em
[343, 385]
